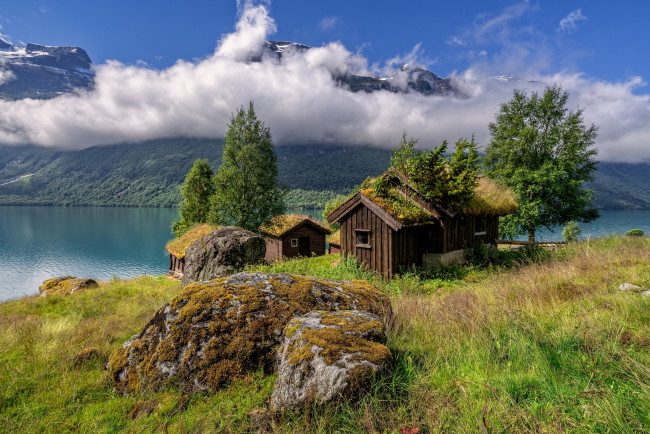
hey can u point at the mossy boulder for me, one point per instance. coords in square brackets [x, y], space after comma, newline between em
[217, 331]
[222, 253]
[65, 285]
[326, 355]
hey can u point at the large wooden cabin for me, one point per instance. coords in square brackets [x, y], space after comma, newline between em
[426, 236]
[291, 236]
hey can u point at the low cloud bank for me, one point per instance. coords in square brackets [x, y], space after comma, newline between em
[301, 103]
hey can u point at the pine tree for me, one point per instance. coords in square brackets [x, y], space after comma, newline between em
[247, 192]
[196, 190]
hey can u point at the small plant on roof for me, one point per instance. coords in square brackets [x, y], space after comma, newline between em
[449, 182]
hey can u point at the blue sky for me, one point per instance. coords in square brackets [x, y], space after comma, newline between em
[597, 38]
[179, 69]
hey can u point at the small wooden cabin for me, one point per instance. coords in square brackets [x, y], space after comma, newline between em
[177, 247]
[290, 236]
[334, 241]
[401, 229]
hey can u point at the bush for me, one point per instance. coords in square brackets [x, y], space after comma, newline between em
[571, 231]
[634, 233]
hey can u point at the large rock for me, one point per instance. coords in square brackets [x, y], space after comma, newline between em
[217, 331]
[222, 253]
[326, 355]
[65, 285]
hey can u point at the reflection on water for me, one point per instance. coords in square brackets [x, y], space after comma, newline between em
[37, 243]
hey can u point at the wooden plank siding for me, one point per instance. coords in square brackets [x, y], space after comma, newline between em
[378, 256]
[391, 250]
[316, 241]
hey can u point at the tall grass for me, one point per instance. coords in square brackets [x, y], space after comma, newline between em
[543, 344]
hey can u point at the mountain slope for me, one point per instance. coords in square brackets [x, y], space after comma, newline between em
[41, 72]
[150, 174]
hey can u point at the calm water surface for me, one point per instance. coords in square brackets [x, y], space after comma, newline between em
[37, 243]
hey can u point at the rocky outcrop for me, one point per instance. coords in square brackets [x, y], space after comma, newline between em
[326, 355]
[217, 331]
[65, 285]
[222, 253]
[630, 287]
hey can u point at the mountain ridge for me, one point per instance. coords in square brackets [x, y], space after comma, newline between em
[42, 72]
[150, 174]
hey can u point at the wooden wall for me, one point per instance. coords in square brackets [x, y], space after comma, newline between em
[316, 241]
[176, 265]
[461, 231]
[379, 255]
[391, 250]
[273, 248]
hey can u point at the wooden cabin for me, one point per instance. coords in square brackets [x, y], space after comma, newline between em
[290, 236]
[177, 247]
[401, 229]
[334, 242]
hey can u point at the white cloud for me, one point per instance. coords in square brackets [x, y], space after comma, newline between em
[301, 103]
[328, 22]
[571, 21]
[5, 76]
[455, 40]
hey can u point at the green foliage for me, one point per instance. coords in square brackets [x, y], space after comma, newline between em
[447, 181]
[545, 154]
[196, 190]
[247, 192]
[150, 174]
[571, 231]
[299, 198]
[634, 233]
[331, 206]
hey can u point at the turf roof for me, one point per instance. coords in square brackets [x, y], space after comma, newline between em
[490, 199]
[178, 246]
[281, 224]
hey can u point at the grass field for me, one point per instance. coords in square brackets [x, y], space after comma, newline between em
[542, 343]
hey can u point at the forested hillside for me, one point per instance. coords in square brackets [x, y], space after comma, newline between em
[150, 174]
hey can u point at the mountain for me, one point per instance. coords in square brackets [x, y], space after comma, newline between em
[150, 174]
[42, 72]
[408, 78]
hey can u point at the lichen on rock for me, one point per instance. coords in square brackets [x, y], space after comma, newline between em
[65, 285]
[328, 354]
[216, 331]
[222, 253]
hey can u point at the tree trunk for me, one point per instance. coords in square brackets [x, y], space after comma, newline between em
[531, 234]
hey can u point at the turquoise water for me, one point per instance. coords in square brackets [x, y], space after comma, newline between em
[37, 243]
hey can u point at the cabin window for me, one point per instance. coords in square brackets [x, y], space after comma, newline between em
[363, 237]
[294, 242]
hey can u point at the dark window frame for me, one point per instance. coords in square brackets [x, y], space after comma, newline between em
[359, 235]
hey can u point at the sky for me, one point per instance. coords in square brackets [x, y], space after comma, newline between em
[179, 68]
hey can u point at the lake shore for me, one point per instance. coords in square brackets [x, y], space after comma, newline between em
[544, 343]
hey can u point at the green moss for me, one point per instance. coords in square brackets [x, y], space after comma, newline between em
[346, 332]
[236, 328]
[65, 285]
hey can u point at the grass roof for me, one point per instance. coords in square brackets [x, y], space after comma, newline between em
[335, 238]
[490, 199]
[177, 246]
[280, 224]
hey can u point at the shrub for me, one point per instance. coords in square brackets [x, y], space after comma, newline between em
[634, 233]
[571, 231]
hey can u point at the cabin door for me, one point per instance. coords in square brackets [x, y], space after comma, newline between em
[304, 246]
